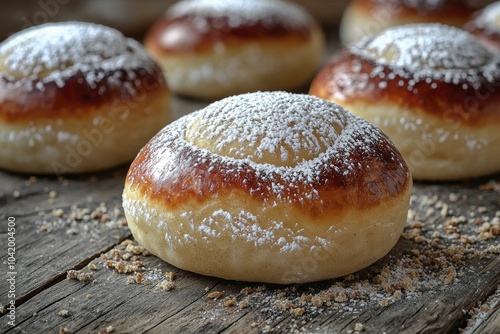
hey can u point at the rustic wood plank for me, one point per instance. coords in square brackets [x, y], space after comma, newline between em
[487, 318]
[107, 299]
[186, 309]
[432, 307]
[43, 256]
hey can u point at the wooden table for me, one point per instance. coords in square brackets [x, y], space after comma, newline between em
[442, 276]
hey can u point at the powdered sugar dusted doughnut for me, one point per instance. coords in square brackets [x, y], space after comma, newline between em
[370, 17]
[76, 97]
[212, 49]
[485, 25]
[433, 89]
[271, 187]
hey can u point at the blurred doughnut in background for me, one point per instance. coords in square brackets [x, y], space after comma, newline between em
[369, 17]
[485, 25]
[132, 17]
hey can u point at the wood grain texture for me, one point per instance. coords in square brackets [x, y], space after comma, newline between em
[44, 258]
[41, 255]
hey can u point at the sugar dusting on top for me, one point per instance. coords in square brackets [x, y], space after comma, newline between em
[56, 51]
[489, 18]
[431, 52]
[267, 127]
[356, 135]
[241, 12]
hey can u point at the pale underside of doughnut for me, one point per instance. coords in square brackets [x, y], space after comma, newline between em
[101, 137]
[435, 148]
[249, 65]
[247, 240]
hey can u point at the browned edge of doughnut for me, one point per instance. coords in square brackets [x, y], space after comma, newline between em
[189, 39]
[188, 178]
[76, 98]
[338, 80]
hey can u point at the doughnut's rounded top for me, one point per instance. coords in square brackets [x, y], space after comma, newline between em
[271, 145]
[199, 24]
[239, 13]
[56, 68]
[439, 69]
[431, 52]
[56, 51]
[267, 128]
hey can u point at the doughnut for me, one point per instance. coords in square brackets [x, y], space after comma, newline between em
[433, 89]
[77, 97]
[214, 49]
[370, 17]
[271, 187]
[485, 25]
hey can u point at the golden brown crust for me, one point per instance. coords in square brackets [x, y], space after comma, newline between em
[76, 98]
[376, 173]
[341, 81]
[194, 26]
[188, 39]
[70, 69]
[378, 179]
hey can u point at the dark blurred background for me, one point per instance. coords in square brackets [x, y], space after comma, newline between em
[132, 17]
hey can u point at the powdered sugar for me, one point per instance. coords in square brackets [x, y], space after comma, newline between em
[56, 51]
[431, 52]
[240, 12]
[356, 134]
[271, 126]
[246, 225]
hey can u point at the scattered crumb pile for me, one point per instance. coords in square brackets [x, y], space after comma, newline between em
[63, 313]
[107, 330]
[78, 275]
[81, 220]
[127, 259]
